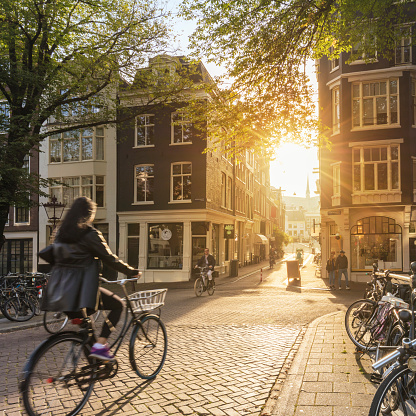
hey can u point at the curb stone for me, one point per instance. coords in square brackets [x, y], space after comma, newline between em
[284, 394]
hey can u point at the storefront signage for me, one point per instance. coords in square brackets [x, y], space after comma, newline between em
[229, 231]
[335, 212]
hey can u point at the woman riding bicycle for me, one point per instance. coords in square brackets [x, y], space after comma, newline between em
[73, 284]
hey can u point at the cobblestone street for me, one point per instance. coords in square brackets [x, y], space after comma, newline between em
[225, 352]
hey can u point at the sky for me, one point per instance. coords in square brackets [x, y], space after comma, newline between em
[293, 163]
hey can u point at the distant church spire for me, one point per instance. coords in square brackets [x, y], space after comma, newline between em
[308, 193]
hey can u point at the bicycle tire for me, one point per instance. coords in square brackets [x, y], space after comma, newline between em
[54, 322]
[358, 320]
[35, 300]
[211, 287]
[57, 376]
[198, 287]
[396, 335]
[18, 310]
[395, 393]
[148, 347]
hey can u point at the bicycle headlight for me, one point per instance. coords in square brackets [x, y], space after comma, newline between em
[411, 363]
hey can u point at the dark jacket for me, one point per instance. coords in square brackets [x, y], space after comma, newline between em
[330, 265]
[342, 262]
[73, 283]
[202, 262]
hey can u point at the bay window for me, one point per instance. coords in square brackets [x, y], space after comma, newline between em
[376, 168]
[335, 110]
[375, 103]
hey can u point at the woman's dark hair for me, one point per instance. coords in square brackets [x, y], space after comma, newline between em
[75, 222]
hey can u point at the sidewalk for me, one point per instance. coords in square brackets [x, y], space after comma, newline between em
[324, 375]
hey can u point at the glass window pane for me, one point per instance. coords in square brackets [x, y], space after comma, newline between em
[369, 177]
[71, 150]
[356, 113]
[382, 175]
[356, 90]
[186, 168]
[55, 151]
[357, 178]
[367, 155]
[99, 131]
[368, 116]
[393, 86]
[393, 110]
[86, 148]
[394, 175]
[99, 148]
[394, 152]
[356, 155]
[177, 188]
[375, 154]
[176, 169]
[99, 180]
[133, 229]
[381, 105]
[383, 151]
[99, 195]
[187, 187]
[383, 88]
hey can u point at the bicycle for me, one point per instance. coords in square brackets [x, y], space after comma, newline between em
[60, 375]
[19, 307]
[55, 322]
[202, 283]
[396, 395]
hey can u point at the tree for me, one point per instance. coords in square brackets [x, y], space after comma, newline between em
[61, 65]
[265, 46]
[281, 239]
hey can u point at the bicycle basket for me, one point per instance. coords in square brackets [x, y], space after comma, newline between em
[147, 300]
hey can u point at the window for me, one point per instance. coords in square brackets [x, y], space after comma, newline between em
[223, 189]
[375, 103]
[133, 240]
[376, 168]
[16, 256]
[22, 214]
[91, 186]
[229, 193]
[165, 246]
[403, 53]
[144, 130]
[181, 128]
[334, 63]
[77, 145]
[335, 110]
[181, 181]
[336, 180]
[144, 183]
[365, 50]
[375, 239]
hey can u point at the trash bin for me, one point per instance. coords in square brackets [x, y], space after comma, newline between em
[233, 268]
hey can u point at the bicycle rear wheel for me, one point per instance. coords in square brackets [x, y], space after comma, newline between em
[198, 287]
[148, 347]
[211, 287]
[358, 322]
[54, 322]
[19, 310]
[57, 377]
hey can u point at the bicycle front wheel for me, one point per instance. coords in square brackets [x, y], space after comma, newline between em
[54, 322]
[396, 395]
[358, 321]
[211, 287]
[198, 287]
[57, 378]
[148, 347]
[19, 310]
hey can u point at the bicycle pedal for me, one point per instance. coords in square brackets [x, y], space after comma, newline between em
[376, 378]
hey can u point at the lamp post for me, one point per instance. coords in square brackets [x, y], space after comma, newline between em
[54, 211]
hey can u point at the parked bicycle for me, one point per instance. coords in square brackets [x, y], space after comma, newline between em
[372, 324]
[60, 375]
[396, 395]
[202, 283]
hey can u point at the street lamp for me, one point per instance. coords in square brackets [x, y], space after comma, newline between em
[54, 211]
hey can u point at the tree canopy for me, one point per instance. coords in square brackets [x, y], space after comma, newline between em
[265, 46]
[61, 65]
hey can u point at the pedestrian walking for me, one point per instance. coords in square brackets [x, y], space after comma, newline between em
[330, 268]
[341, 265]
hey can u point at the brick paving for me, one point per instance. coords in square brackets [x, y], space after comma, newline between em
[229, 354]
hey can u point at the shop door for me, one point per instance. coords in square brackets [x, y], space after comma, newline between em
[198, 246]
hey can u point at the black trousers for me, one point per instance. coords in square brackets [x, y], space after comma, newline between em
[108, 301]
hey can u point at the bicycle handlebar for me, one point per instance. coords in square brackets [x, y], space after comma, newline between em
[122, 282]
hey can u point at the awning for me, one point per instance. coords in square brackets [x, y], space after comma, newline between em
[261, 239]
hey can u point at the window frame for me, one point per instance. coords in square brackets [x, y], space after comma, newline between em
[172, 176]
[402, 47]
[336, 110]
[362, 163]
[146, 178]
[60, 138]
[183, 122]
[361, 98]
[146, 130]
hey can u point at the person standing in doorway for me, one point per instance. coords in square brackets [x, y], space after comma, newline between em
[341, 265]
[330, 267]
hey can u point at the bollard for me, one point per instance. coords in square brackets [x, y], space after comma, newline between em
[261, 274]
